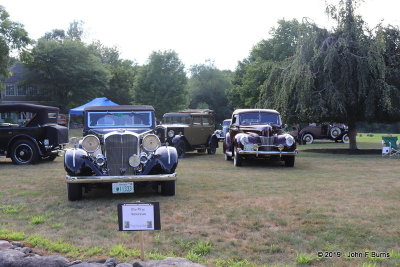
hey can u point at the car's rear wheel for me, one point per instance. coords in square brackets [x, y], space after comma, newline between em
[345, 138]
[308, 138]
[180, 148]
[237, 160]
[74, 191]
[24, 152]
[168, 188]
[289, 161]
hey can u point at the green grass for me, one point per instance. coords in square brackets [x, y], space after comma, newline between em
[256, 215]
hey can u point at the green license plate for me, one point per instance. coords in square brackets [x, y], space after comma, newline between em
[120, 188]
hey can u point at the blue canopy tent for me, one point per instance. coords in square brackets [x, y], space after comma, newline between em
[100, 101]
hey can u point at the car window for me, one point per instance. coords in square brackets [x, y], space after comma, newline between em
[206, 121]
[19, 118]
[177, 120]
[196, 120]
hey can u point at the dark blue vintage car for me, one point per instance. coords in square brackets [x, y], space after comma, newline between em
[119, 147]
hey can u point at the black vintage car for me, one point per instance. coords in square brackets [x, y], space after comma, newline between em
[30, 132]
[120, 148]
[188, 130]
[258, 134]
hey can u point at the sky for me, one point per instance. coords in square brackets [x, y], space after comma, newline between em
[223, 31]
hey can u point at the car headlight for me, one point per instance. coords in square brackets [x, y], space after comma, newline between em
[151, 142]
[289, 140]
[134, 161]
[171, 133]
[90, 143]
[244, 139]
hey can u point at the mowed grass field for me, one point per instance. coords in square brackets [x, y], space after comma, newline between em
[259, 214]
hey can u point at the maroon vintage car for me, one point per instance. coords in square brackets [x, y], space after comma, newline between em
[257, 133]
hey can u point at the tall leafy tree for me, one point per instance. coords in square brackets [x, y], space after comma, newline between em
[122, 72]
[336, 76]
[207, 88]
[161, 83]
[68, 71]
[252, 72]
[12, 36]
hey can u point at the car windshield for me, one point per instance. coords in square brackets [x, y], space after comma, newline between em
[259, 118]
[119, 119]
[177, 120]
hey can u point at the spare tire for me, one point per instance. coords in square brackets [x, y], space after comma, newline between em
[335, 132]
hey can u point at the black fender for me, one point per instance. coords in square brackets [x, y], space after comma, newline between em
[212, 138]
[21, 137]
[178, 138]
[165, 160]
[77, 162]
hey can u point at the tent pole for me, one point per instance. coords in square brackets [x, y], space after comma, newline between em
[69, 118]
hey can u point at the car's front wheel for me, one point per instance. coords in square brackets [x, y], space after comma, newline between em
[180, 149]
[168, 188]
[74, 191]
[237, 160]
[24, 152]
[289, 161]
[308, 138]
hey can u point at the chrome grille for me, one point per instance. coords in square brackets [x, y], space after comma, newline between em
[268, 142]
[119, 147]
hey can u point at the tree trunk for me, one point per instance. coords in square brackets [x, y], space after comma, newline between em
[353, 136]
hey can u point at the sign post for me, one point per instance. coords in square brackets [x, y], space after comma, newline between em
[139, 216]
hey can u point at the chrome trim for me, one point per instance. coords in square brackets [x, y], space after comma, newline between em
[128, 178]
[285, 153]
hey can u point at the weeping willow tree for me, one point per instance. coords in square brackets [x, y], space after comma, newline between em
[336, 76]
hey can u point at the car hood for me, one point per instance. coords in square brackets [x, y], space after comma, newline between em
[262, 130]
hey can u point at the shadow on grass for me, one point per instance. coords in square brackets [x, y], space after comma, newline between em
[345, 151]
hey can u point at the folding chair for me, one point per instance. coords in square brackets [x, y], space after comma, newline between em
[390, 146]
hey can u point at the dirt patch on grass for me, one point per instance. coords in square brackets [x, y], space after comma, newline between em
[345, 151]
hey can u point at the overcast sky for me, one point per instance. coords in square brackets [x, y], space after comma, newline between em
[221, 30]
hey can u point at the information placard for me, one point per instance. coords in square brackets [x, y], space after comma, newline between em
[141, 216]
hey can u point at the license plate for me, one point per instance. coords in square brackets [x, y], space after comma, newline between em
[120, 188]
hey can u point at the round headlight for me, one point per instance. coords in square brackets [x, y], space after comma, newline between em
[151, 142]
[171, 133]
[289, 140]
[134, 161]
[90, 143]
[244, 139]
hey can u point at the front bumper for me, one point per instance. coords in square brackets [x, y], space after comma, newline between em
[116, 179]
[268, 153]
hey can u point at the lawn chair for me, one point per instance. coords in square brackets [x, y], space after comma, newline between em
[390, 146]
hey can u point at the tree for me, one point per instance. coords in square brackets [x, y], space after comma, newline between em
[161, 83]
[12, 36]
[336, 76]
[252, 72]
[122, 72]
[207, 88]
[68, 71]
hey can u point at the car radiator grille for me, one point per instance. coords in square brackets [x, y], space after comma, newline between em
[267, 142]
[118, 150]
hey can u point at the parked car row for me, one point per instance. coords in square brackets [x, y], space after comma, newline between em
[122, 147]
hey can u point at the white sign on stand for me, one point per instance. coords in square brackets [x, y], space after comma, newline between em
[141, 216]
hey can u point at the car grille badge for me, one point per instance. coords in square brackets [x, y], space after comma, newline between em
[122, 171]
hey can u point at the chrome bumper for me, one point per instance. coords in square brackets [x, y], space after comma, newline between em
[115, 179]
[271, 153]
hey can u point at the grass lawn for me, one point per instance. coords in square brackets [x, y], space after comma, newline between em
[258, 214]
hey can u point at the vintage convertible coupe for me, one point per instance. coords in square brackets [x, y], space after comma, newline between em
[120, 148]
[257, 133]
